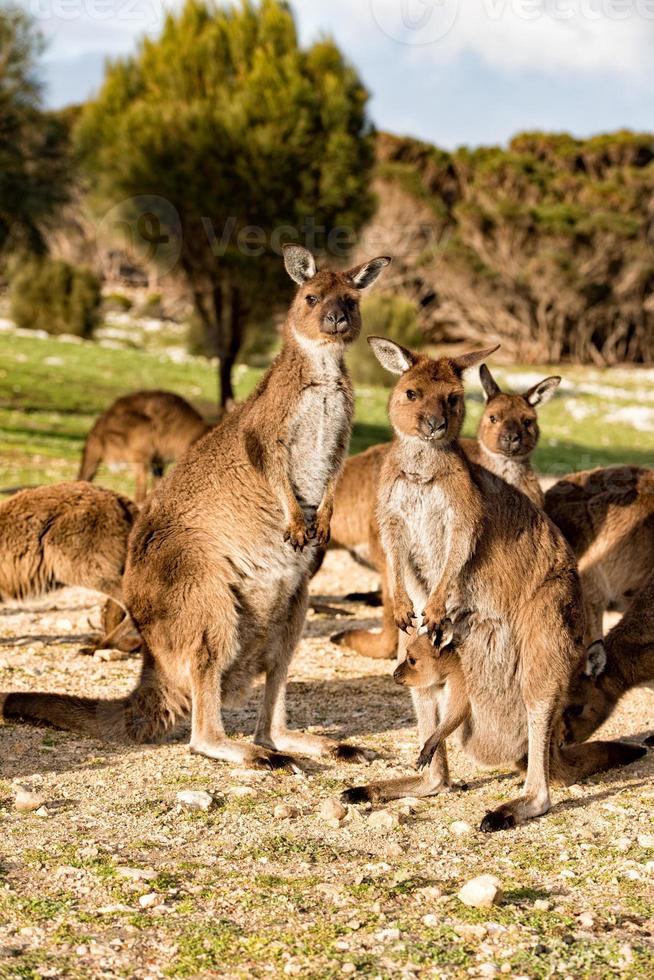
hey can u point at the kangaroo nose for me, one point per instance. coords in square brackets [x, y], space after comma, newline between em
[335, 321]
[436, 424]
[512, 441]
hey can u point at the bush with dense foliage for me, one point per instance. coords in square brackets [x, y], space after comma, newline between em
[547, 244]
[47, 294]
[383, 315]
[235, 127]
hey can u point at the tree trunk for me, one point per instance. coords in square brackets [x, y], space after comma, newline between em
[229, 314]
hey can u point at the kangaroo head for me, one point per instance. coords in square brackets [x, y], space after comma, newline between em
[427, 401]
[509, 424]
[590, 701]
[326, 308]
[422, 667]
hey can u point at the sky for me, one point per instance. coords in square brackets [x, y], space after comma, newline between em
[448, 71]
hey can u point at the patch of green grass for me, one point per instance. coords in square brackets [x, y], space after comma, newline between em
[201, 949]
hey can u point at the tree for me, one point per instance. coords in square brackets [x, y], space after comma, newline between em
[33, 144]
[232, 131]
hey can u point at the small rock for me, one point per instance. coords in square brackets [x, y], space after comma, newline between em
[348, 968]
[586, 920]
[428, 893]
[387, 935]
[26, 801]
[42, 812]
[481, 892]
[149, 901]
[195, 799]
[110, 656]
[137, 874]
[466, 931]
[383, 820]
[487, 969]
[332, 809]
[81, 950]
[285, 812]
[646, 840]
[430, 920]
[460, 827]
[242, 791]
[623, 843]
[334, 893]
[393, 849]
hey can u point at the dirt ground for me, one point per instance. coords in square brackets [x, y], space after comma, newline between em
[113, 877]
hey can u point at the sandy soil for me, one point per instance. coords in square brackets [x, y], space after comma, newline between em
[115, 878]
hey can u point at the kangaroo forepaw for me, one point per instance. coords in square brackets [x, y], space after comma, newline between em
[496, 820]
[425, 757]
[278, 760]
[298, 534]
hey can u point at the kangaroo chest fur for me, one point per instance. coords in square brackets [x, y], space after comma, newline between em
[319, 421]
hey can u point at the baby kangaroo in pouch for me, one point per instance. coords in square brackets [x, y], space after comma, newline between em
[221, 555]
[461, 543]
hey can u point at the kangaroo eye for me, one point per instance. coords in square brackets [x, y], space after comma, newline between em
[528, 423]
[452, 400]
[312, 300]
[492, 418]
[411, 395]
[411, 661]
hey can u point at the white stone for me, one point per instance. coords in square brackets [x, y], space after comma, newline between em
[482, 892]
[285, 812]
[137, 874]
[26, 801]
[242, 791]
[586, 920]
[149, 901]
[383, 820]
[196, 799]
[332, 809]
[646, 840]
[387, 935]
[460, 827]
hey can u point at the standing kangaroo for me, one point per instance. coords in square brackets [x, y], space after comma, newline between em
[146, 430]
[607, 516]
[459, 541]
[66, 534]
[624, 659]
[220, 558]
[507, 436]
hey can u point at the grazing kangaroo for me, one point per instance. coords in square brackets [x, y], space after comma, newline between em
[507, 435]
[624, 659]
[607, 516]
[146, 430]
[220, 558]
[66, 534]
[459, 541]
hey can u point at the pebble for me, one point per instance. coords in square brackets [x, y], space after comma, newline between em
[481, 892]
[383, 820]
[149, 901]
[428, 893]
[196, 799]
[109, 656]
[586, 920]
[487, 969]
[332, 809]
[283, 811]
[348, 968]
[137, 874]
[26, 801]
[460, 827]
[387, 935]
[646, 840]
[242, 791]
[430, 920]
[42, 811]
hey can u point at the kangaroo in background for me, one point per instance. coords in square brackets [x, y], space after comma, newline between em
[624, 659]
[66, 534]
[459, 541]
[607, 517]
[221, 555]
[507, 436]
[146, 430]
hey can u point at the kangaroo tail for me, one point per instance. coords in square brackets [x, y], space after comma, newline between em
[91, 459]
[146, 715]
[575, 762]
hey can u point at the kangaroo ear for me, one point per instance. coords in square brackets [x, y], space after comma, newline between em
[543, 391]
[364, 275]
[464, 361]
[299, 262]
[392, 356]
[488, 383]
[595, 659]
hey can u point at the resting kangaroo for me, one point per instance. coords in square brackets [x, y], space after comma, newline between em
[624, 659]
[459, 541]
[607, 516]
[145, 430]
[66, 534]
[506, 438]
[220, 557]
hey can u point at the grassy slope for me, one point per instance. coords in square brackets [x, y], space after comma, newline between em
[51, 391]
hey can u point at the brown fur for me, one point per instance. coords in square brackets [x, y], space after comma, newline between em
[459, 541]
[220, 558]
[624, 659]
[146, 430]
[66, 534]
[507, 435]
[607, 516]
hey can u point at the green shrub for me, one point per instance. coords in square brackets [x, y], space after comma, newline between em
[384, 315]
[51, 295]
[116, 303]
